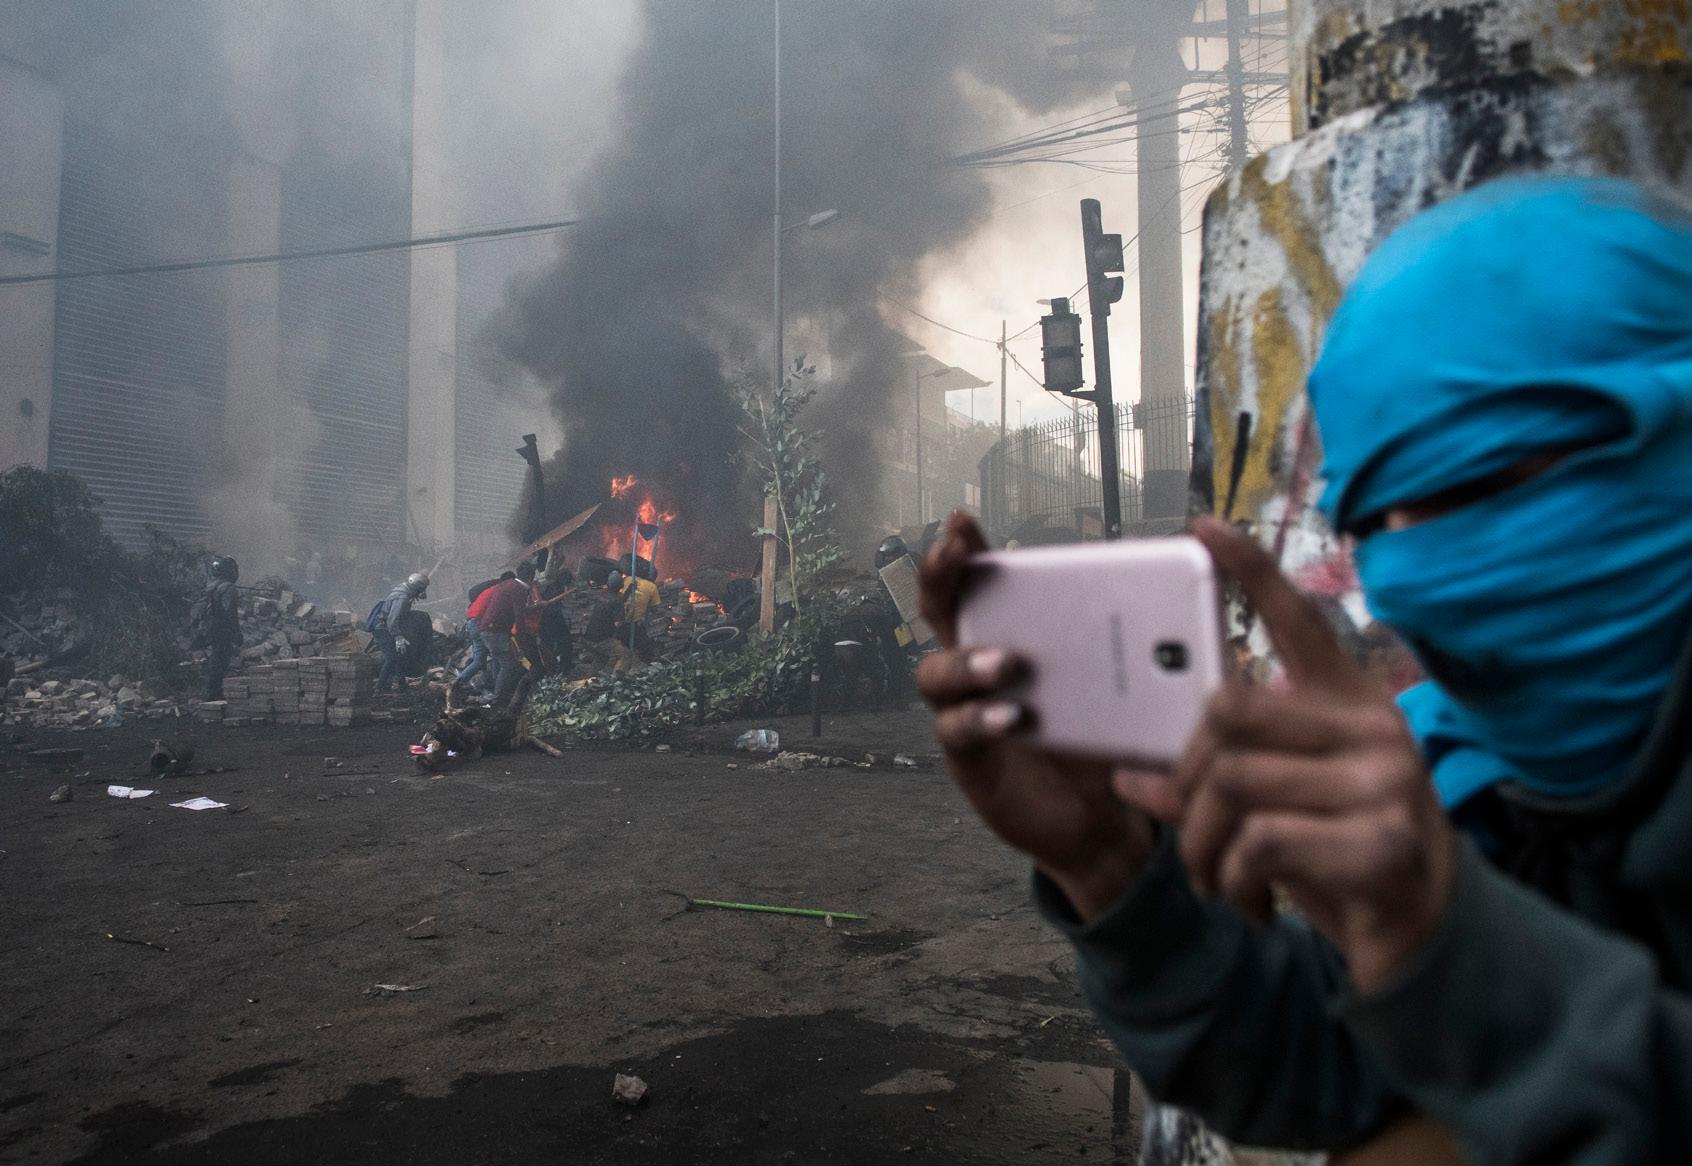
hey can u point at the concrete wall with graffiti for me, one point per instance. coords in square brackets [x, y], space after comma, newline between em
[1399, 106]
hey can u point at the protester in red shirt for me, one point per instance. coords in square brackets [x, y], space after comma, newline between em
[496, 612]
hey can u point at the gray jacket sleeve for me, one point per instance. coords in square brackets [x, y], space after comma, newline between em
[399, 606]
[1536, 1036]
[1228, 1020]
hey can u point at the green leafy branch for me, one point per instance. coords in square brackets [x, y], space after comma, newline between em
[783, 454]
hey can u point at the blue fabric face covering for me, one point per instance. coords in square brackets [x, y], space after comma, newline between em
[1529, 316]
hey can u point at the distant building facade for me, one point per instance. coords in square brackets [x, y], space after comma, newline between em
[270, 408]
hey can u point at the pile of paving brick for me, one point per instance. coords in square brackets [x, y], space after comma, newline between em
[338, 691]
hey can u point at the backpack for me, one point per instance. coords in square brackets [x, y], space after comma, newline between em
[199, 620]
[377, 617]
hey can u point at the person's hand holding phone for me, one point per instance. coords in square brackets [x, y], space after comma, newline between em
[1059, 810]
[1314, 786]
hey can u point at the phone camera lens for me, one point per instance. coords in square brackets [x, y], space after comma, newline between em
[1170, 656]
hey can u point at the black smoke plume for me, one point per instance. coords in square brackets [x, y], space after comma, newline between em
[660, 299]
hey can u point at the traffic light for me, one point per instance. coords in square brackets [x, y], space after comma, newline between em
[1060, 349]
[1104, 255]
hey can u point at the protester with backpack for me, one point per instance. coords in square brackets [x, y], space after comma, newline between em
[479, 598]
[389, 622]
[215, 621]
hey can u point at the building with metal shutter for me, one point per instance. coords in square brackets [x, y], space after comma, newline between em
[138, 361]
[272, 410]
[152, 376]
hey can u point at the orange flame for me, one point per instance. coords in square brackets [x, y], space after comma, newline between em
[611, 536]
[693, 596]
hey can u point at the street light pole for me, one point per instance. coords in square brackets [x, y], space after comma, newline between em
[780, 359]
[1003, 352]
[766, 588]
[922, 501]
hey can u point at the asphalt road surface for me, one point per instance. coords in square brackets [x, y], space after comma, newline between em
[198, 987]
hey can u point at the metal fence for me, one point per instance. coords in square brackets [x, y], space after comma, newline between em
[1042, 483]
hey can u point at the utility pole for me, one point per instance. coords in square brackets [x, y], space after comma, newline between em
[922, 511]
[1238, 143]
[922, 502]
[1156, 76]
[1003, 353]
[766, 588]
[1104, 255]
[775, 233]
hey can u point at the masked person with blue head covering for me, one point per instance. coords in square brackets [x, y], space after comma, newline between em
[1493, 876]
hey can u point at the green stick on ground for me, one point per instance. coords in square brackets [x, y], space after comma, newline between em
[808, 911]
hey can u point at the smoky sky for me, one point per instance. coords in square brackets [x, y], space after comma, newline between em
[660, 298]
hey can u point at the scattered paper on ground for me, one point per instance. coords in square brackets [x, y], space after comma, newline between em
[129, 791]
[392, 989]
[198, 804]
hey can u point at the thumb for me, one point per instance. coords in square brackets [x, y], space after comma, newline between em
[1306, 644]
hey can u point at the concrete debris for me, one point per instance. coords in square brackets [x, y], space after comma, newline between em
[628, 1090]
[276, 629]
[906, 761]
[793, 761]
[62, 794]
[672, 623]
[82, 704]
[424, 928]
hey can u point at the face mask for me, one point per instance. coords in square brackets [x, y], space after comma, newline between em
[1551, 616]
[1525, 316]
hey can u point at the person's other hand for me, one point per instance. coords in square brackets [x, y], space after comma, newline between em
[1059, 810]
[1315, 786]
[402, 645]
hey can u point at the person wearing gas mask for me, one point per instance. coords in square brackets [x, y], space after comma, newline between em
[1490, 880]
[216, 617]
[391, 630]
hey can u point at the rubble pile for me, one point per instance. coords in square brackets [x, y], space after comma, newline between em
[678, 617]
[318, 690]
[35, 630]
[299, 665]
[82, 704]
[282, 626]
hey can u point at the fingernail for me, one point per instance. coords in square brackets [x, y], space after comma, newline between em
[986, 664]
[1000, 716]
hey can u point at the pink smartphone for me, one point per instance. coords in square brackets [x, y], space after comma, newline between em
[1124, 638]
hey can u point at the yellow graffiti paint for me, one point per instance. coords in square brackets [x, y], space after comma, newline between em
[1222, 373]
[1279, 360]
[1646, 32]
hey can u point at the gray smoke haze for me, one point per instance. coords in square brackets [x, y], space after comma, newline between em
[663, 292]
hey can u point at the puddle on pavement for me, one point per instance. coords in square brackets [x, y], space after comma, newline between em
[785, 1089]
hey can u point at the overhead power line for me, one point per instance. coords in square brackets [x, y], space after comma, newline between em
[947, 327]
[290, 256]
[1069, 138]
